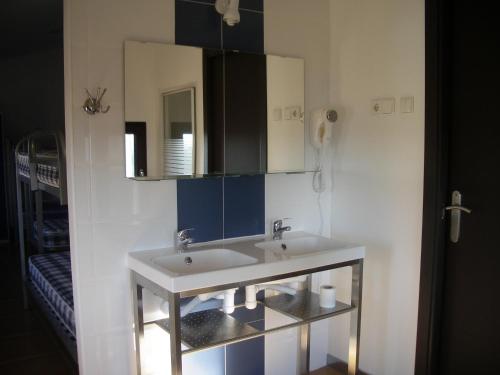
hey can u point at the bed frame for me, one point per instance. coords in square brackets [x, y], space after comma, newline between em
[27, 188]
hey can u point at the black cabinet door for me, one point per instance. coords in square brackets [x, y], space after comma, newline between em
[245, 110]
[213, 98]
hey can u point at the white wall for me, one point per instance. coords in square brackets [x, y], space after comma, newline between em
[295, 30]
[291, 29]
[109, 215]
[377, 50]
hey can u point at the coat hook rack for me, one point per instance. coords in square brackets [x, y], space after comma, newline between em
[93, 104]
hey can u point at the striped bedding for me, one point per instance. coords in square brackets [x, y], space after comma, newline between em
[50, 275]
[55, 233]
[47, 173]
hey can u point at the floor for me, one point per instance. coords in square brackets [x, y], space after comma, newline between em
[27, 344]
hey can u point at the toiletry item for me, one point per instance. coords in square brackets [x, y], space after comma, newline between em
[327, 296]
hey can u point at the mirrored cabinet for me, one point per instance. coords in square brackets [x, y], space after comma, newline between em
[193, 112]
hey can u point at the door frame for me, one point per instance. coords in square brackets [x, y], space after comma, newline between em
[432, 266]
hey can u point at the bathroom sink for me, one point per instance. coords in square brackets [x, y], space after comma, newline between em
[200, 261]
[297, 246]
[237, 260]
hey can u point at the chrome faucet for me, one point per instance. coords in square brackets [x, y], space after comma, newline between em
[278, 229]
[183, 240]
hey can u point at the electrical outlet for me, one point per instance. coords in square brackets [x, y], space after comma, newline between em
[384, 106]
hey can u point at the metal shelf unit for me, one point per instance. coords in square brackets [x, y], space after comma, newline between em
[212, 328]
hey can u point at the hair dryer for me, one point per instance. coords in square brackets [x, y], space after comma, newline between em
[320, 137]
[321, 129]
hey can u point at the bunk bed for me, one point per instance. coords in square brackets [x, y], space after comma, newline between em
[44, 231]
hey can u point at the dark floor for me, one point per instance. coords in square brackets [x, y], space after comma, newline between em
[27, 344]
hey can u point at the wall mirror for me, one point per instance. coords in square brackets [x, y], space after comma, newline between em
[192, 112]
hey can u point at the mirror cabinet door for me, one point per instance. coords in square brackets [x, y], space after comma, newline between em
[246, 113]
[164, 94]
[285, 115]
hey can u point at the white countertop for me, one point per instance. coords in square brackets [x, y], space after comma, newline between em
[268, 263]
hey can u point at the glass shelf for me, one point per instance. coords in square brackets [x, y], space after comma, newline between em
[214, 175]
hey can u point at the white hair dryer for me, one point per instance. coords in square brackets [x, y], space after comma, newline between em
[320, 132]
[321, 129]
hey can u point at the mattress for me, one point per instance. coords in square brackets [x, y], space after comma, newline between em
[55, 233]
[23, 163]
[50, 275]
[46, 172]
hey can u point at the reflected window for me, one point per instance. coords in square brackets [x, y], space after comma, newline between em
[178, 128]
[129, 155]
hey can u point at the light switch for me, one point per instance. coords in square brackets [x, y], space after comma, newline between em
[388, 106]
[406, 104]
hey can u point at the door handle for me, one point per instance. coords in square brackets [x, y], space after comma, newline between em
[460, 208]
[456, 210]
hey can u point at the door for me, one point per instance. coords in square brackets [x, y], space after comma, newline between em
[470, 338]
[459, 313]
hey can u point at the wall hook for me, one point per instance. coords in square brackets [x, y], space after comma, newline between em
[93, 104]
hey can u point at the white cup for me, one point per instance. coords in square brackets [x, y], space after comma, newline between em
[327, 296]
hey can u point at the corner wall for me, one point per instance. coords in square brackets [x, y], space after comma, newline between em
[377, 50]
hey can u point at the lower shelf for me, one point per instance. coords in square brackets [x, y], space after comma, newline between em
[211, 328]
[208, 328]
[304, 306]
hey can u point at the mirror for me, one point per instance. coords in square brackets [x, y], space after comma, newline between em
[192, 112]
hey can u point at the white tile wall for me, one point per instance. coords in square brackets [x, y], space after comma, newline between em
[110, 215]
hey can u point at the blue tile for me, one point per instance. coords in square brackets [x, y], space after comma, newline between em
[252, 5]
[244, 206]
[199, 206]
[248, 35]
[246, 357]
[245, 315]
[197, 24]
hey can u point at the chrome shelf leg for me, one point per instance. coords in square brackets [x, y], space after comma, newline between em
[175, 333]
[305, 348]
[138, 321]
[355, 318]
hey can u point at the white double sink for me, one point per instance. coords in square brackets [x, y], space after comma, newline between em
[232, 261]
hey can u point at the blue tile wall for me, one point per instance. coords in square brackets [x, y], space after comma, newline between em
[200, 206]
[257, 5]
[244, 206]
[245, 358]
[197, 24]
[247, 36]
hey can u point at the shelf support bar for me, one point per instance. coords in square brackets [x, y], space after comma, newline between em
[175, 333]
[355, 318]
[138, 320]
[305, 342]
[305, 339]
